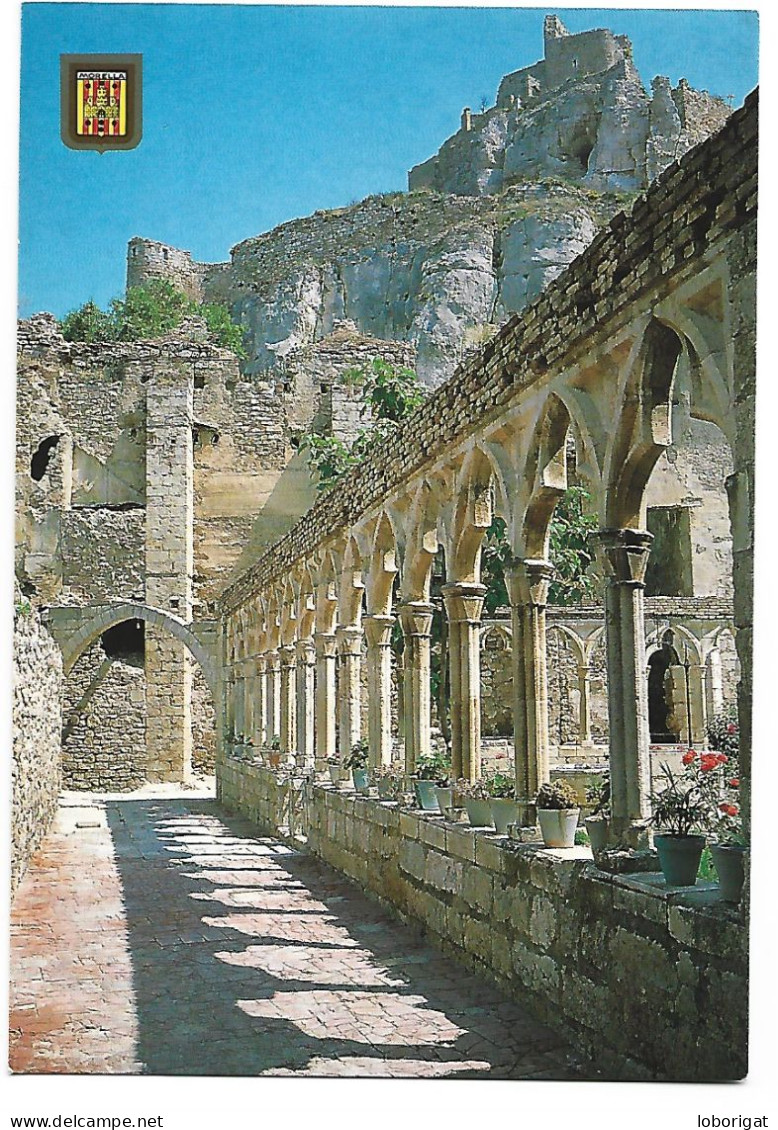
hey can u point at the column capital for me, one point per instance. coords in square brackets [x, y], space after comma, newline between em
[272, 659]
[305, 650]
[378, 630]
[528, 581]
[326, 644]
[464, 601]
[260, 664]
[624, 554]
[349, 640]
[287, 655]
[416, 618]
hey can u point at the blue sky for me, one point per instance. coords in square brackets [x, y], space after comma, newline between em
[256, 115]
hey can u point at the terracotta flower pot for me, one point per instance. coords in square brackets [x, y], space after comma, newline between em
[679, 858]
[558, 825]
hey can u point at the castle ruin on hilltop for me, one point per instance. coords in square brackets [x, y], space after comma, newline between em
[151, 474]
[581, 113]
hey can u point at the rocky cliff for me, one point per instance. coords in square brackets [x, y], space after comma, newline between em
[503, 207]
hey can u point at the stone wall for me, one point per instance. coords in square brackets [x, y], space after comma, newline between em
[422, 267]
[37, 723]
[148, 259]
[706, 200]
[104, 715]
[548, 925]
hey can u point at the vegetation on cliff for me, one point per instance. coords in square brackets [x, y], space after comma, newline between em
[150, 311]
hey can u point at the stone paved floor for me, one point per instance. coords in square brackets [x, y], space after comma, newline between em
[156, 934]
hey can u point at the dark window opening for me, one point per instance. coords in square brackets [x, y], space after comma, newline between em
[660, 713]
[669, 571]
[39, 463]
[126, 642]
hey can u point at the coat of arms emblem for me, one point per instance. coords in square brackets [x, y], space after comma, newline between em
[101, 101]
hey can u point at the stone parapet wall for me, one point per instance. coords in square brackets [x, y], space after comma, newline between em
[548, 925]
[37, 723]
[689, 214]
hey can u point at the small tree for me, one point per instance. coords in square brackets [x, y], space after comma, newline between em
[147, 312]
[88, 323]
[570, 549]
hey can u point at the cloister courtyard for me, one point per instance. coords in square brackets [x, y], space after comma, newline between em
[281, 916]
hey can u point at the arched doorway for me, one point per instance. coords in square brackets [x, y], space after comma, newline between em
[119, 731]
[662, 720]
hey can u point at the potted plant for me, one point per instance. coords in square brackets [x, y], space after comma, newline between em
[357, 763]
[429, 772]
[558, 812]
[475, 797]
[274, 752]
[336, 770]
[683, 809]
[729, 848]
[444, 793]
[389, 781]
[598, 795]
[502, 801]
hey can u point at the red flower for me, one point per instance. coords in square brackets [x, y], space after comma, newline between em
[729, 809]
[722, 758]
[731, 728]
[708, 762]
[734, 783]
[689, 757]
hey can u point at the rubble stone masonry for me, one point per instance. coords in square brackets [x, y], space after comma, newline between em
[37, 724]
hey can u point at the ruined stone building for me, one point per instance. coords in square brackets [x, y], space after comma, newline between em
[151, 474]
[573, 277]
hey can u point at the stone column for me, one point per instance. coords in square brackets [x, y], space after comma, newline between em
[378, 633]
[287, 700]
[416, 622]
[584, 704]
[464, 604]
[349, 642]
[625, 556]
[699, 715]
[324, 722]
[306, 667]
[714, 684]
[273, 683]
[528, 585]
[260, 713]
[169, 563]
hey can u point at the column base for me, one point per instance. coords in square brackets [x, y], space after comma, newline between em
[626, 834]
[524, 833]
[528, 815]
